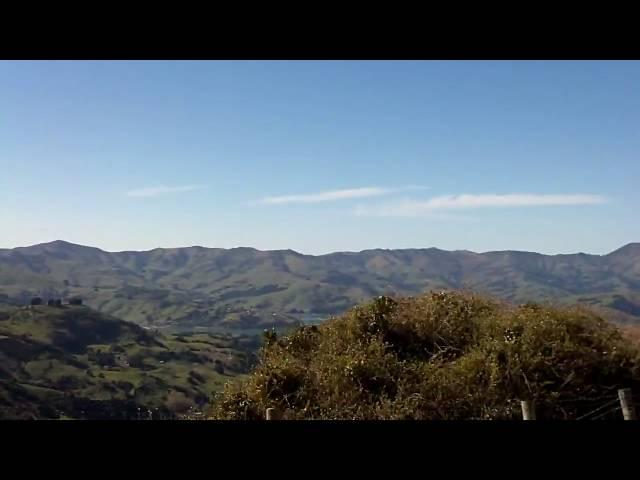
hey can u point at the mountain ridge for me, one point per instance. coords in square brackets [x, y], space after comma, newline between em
[245, 287]
[64, 243]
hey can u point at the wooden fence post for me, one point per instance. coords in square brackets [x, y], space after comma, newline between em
[273, 414]
[626, 403]
[528, 409]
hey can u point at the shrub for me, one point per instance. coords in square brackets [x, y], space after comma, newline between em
[178, 402]
[439, 356]
[218, 367]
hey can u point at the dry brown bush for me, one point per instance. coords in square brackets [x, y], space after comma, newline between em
[440, 356]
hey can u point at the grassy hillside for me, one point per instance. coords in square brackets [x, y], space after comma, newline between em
[74, 362]
[441, 356]
[248, 288]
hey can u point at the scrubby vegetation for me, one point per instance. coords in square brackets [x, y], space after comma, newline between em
[441, 356]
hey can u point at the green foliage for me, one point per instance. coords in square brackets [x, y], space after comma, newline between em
[438, 356]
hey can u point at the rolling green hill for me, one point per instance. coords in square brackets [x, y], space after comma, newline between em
[74, 362]
[247, 288]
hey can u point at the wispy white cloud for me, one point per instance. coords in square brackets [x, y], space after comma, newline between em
[334, 195]
[161, 190]
[417, 208]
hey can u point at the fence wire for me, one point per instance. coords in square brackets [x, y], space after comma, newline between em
[608, 412]
[601, 407]
[590, 399]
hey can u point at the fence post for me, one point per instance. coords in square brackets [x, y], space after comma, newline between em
[528, 409]
[626, 403]
[273, 414]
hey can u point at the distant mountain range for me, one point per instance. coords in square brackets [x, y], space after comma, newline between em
[248, 288]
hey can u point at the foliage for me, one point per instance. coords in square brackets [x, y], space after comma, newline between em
[440, 356]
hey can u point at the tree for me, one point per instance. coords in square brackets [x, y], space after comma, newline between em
[36, 301]
[75, 301]
[51, 302]
[219, 367]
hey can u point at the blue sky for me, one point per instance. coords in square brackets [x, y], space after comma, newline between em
[321, 156]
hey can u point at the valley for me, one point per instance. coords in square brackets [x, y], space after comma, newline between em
[73, 362]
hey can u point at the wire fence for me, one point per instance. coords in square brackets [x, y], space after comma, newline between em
[612, 406]
[605, 407]
[589, 415]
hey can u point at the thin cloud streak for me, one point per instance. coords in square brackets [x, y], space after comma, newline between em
[161, 190]
[334, 195]
[417, 208]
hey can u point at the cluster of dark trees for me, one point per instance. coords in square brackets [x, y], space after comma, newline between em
[55, 303]
[104, 359]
